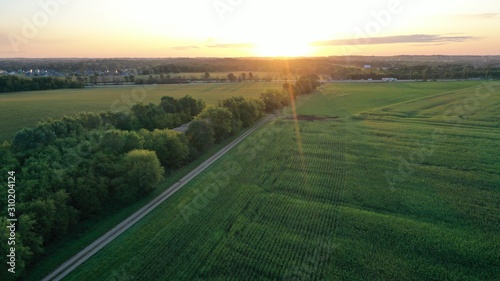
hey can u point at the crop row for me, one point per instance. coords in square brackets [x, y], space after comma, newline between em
[266, 221]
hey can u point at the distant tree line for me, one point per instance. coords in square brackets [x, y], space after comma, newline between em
[416, 72]
[161, 79]
[75, 170]
[297, 66]
[173, 79]
[172, 66]
[15, 84]
[167, 70]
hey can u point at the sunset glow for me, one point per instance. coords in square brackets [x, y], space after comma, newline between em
[56, 28]
[282, 47]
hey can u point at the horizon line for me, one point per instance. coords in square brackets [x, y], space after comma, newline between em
[260, 57]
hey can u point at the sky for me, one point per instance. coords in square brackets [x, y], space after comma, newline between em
[247, 28]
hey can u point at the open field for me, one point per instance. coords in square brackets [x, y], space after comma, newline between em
[25, 109]
[399, 187]
[344, 99]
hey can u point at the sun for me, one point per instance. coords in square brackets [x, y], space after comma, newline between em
[282, 47]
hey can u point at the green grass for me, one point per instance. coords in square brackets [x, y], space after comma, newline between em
[25, 109]
[391, 191]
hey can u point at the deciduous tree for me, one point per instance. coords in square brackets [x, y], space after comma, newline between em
[143, 172]
[200, 135]
[220, 119]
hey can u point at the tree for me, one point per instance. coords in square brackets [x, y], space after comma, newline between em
[9, 161]
[250, 76]
[143, 172]
[274, 100]
[245, 111]
[30, 138]
[200, 135]
[425, 74]
[119, 120]
[231, 77]
[487, 72]
[53, 216]
[88, 120]
[23, 253]
[234, 105]
[15, 84]
[66, 216]
[152, 117]
[255, 110]
[45, 213]
[171, 147]
[190, 106]
[169, 104]
[206, 77]
[88, 193]
[119, 142]
[306, 84]
[220, 119]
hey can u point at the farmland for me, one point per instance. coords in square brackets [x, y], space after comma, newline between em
[25, 109]
[378, 182]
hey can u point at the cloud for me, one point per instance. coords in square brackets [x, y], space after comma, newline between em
[415, 38]
[238, 45]
[480, 16]
[489, 16]
[221, 46]
[429, 44]
[183, 48]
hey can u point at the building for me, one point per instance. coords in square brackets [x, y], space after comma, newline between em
[389, 79]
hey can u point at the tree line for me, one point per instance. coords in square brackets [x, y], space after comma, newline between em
[76, 170]
[297, 66]
[15, 84]
[416, 72]
[207, 77]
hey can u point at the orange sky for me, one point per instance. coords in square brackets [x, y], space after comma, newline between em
[240, 28]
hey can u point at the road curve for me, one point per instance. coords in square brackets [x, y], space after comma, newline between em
[98, 244]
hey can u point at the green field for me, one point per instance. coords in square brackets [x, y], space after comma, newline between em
[25, 109]
[344, 99]
[394, 182]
